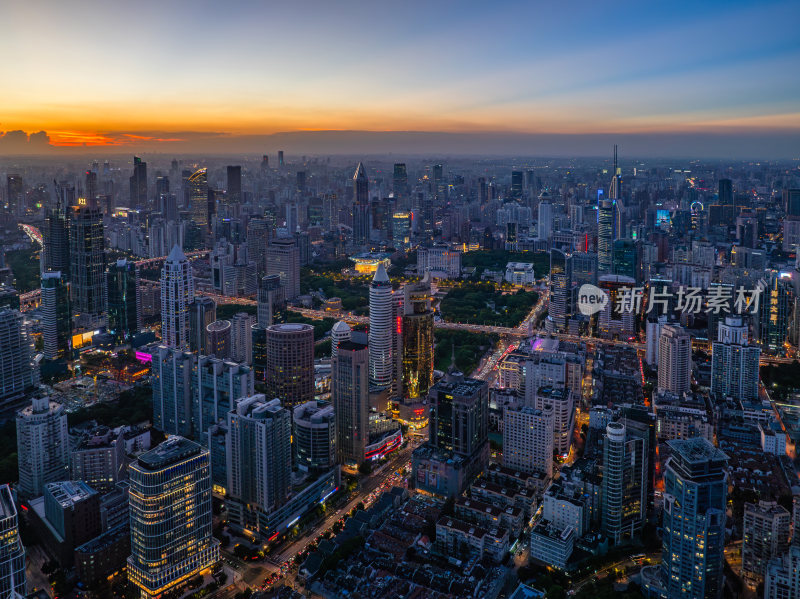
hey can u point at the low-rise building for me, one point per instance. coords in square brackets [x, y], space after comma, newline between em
[458, 538]
[552, 545]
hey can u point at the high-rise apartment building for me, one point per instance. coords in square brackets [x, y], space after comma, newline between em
[42, 446]
[528, 439]
[88, 267]
[56, 316]
[177, 294]
[734, 362]
[782, 580]
[380, 330]
[216, 386]
[124, 319]
[765, 535]
[18, 371]
[171, 370]
[259, 453]
[290, 363]
[283, 259]
[314, 436]
[170, 517]
[12, 553]
[350, 396]
[674, 359]
[562, 403]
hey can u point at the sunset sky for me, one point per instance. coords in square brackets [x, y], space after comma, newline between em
[162, 73]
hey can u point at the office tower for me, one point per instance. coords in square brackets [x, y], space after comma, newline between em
[260, 361]
[202, 312]
[283, 259]
[91, 185]
[400, 181]
[695, 493]
[380, 329]
[258, 235]
[350, 398]
[625, 258]
[218, 339]
[765, 535]
[198, 198]
[123, 300]
[270, 298]
[561, 292]
[624, 485]
[417, 342]
[584, 268]
[55, 237]
[177, 294]
[339, 332]
[14, 194]
[641, 422]
[171, 371]
[615, 191]
[516, 185]
[773, 318]
[42, 446]
[605, 236]
[56, 316]
[12, 553]
[562, 402]
[98, 459]
[72, 508]
[280, 158]
[216, 385]
[612, 320]
[170, 516]
[138, 184]
[88, 267]
[242, 338]
[544, 221]
[459, 416]
[301, 181]
[782, 580]
[734, 362]
[361, 225]
[725, 192]
[234, 188]
[314, 436]
[674, 359]
[290, 363]
[18, 371]
[791, 202]
[528, 439]
[259, 450]
[162, 188]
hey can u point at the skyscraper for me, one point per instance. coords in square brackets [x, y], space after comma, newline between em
[234, 188]
[202, 312]
[605, 236]
[350, 396]
[695, 493]
[339, 332]
[55, 237]
[516, 184]
[417, 339]
[765, 535]
[674, 359]
[242, 338]
[400, 180]
[734, 363]
[171, 370]
[87, 255]
[782, 580]
[259, 453]
[361, 225]
[725, 192]
[528, 439]
[772, 323]
[270, 298]
[198, 198]
[283, 259]
[380, 330]
[459, 416]
[177, 294]
[138, 183]
[626, 258]
[123, 300]
[14, 194]
[170, 516]
[562, 403]
[314, 436]
[18, 371]
[218, 339]
[624, 485]
[290, 363]
[544, 221]
[42, 446]
[12, 553]
[216, 385]
[56, 316]
[561, 292]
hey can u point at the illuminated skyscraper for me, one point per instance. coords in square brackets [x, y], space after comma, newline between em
[12, 553]
[734, 362]
[624, 486]
[605, 236]
[516, 184]
[561, 293]
[177, 294]
[198, 198]
[87, 254]
[56, 316]
[350, 396]
[380, 330]
[772, 324]
[55, 237]
[170, 517]
[361, 225]
[417, 343]
[14, 194]
[290, 363]
[123, 300]
[674, 359]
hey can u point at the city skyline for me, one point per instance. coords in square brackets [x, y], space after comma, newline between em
[522, 77]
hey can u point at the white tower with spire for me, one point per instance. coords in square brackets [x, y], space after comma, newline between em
[380, 329]
[177, 293]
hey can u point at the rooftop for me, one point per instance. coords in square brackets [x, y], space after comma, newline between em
[173, 450]
[69, 492]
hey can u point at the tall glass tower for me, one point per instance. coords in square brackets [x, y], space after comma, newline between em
[380, 330]
[12, 553]
[170, 516]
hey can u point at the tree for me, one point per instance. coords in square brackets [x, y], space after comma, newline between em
[365, 468]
